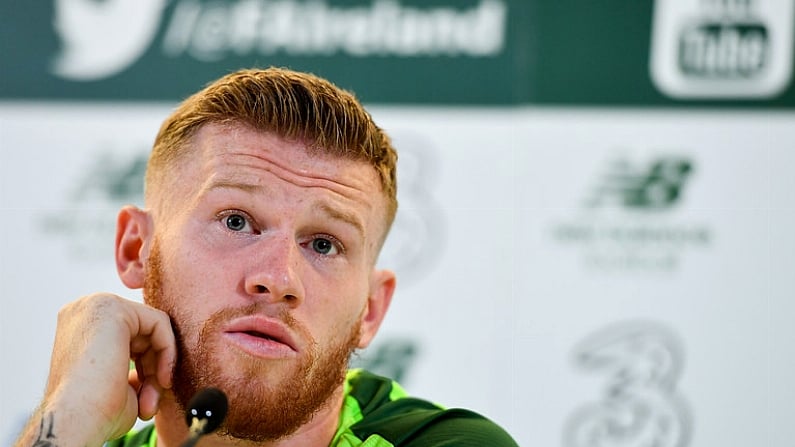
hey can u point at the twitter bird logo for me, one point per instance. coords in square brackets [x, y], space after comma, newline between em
[103, 37]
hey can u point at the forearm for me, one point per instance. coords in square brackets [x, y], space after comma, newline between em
[92, 395]
[57, 425]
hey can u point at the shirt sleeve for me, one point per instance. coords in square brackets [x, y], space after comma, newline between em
[415, 423]
[143, 438]
[460, 428]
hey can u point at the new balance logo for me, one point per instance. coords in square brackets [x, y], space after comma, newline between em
[659, 185]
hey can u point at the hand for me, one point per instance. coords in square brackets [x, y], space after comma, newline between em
[92, 395]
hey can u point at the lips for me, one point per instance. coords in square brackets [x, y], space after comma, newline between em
[261, 336]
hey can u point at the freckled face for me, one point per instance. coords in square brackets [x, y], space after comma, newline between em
[264, 263]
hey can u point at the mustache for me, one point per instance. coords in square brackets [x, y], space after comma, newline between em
[182, 325]
[256, 308]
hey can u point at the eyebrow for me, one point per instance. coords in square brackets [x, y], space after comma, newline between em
[349, 218]
[230, 184]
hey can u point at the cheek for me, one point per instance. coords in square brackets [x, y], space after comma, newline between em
[201, 270]
[189, 291]
[340, 314]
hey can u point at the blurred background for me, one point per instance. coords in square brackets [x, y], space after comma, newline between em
[594, 244]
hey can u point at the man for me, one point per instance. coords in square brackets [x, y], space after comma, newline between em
[268, 197]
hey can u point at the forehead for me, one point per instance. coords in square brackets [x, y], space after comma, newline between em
[240, 151]
[236, 153]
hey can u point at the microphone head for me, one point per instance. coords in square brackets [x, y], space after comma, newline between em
[208, 405]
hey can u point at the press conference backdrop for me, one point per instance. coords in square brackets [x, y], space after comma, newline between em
[594, 243]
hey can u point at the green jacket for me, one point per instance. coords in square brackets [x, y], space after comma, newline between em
[377, 412]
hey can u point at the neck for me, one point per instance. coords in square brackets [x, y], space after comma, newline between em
[172, 430]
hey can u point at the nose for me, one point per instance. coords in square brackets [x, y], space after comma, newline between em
[273, 273]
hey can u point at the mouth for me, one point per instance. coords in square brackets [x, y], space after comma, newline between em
[261, 337]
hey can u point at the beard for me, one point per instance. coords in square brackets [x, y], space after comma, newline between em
[260, 408]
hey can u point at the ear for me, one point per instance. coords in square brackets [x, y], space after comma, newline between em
[133, 231]
[382, 286]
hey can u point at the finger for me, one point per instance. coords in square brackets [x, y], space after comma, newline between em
[149, 400]
[154, 332]
[165, 367]
[146, 366]
[146, 398]
[134, 381]
[148, 391]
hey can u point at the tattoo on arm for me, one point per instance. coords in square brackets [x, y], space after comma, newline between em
[46, 436]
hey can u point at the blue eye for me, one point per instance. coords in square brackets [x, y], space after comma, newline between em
[236, 222]
[324, 246]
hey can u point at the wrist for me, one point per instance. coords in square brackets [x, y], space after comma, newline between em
[65, 421]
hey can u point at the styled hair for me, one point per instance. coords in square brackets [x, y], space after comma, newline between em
[292, 105]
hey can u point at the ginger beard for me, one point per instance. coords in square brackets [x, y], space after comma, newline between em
[259, 409]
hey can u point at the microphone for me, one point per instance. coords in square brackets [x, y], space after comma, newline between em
[206, 410]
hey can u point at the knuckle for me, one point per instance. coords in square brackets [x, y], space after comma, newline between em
[89, 307]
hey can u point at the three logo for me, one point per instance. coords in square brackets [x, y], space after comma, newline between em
[640, 406]
[392, 357]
